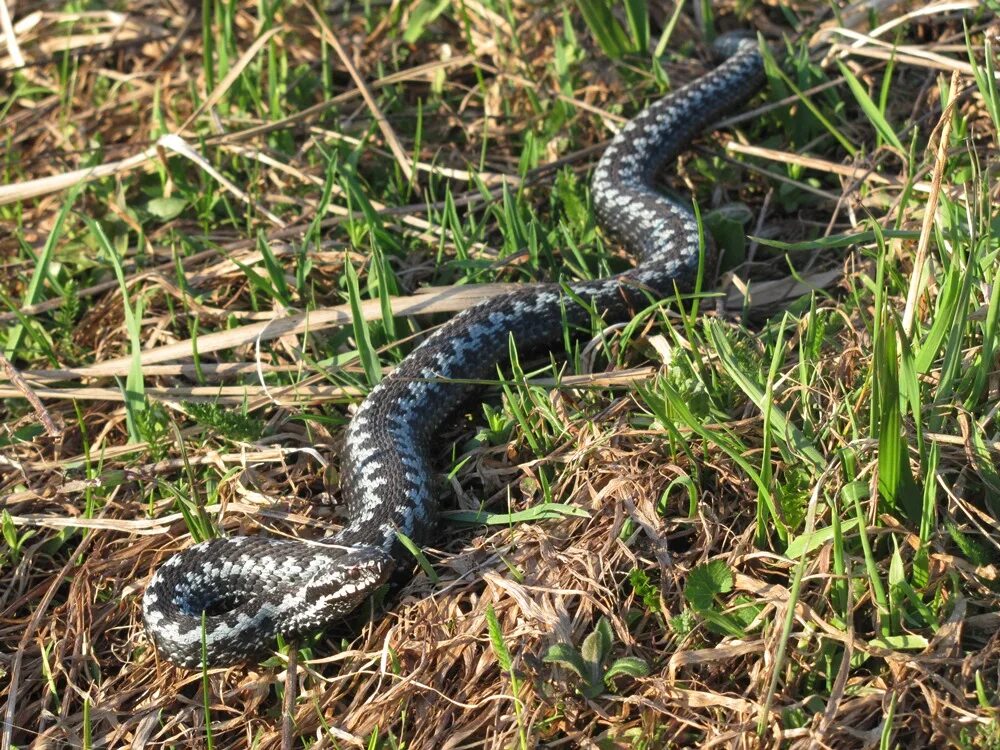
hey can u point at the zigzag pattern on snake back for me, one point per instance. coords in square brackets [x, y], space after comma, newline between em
[254, 588]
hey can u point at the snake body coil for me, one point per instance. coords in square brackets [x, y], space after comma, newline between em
[253, 588]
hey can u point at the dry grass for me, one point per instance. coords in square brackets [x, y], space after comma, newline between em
[93, 499]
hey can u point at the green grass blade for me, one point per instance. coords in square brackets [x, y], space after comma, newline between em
[362, 336]
[871, 109]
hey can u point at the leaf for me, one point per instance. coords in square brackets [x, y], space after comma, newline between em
[415, 550]
[730, 238]
[895, 481]
[743, 611]
[539, 512]
[896, 642]
[135, 390]
[645, 589]
[9, 529]
[723, 624]
[569, 657]
[630, 665]
[568, 193]
[705, 582]
[806, 543]
[423, 14]
[971, 550]
[637, 13]
[41, 268]
[166, 208]
[783, 428]
[366, 351]
[606, 30]
[834, 241]
[597, 645]
[871, 109]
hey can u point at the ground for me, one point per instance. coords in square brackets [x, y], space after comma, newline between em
[762, 516]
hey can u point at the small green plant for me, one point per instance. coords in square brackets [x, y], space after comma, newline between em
[615, 40]
[645, 589]
[506, 661]
[704, 585]
[153, 424]
[230, 423]
[707, 581]
[15, 541]
[590, 661]
[66, 316]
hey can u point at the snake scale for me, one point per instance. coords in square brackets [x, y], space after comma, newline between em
[253, 588]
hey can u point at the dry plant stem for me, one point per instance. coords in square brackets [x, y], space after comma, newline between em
[916, 56]
[443, 299]
[13, 48]
[288, 706]
[22, 388]
[418, 72]
[235, 394]
[823, 165]
[943, 130]
[390, 135]
[427, 301]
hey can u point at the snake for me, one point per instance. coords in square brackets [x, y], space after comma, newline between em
[226, 600]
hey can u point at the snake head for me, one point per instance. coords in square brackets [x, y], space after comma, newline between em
[336, 588]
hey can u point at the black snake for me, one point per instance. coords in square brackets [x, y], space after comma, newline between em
[254, 588]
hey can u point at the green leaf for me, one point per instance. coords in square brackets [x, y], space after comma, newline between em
[606, 30]
[568, 192]
[897, 642]
[425, 13]
[597, 645]
[275, 271]
[540, 512]
[895, 481]
[41, 267]
[871, 110]
[806, 543]
[135, 390]
[637, 13]
[630, 665]
[9, 530]
[166, 208]
[971, 550]
[981, 696]
[569, 657]
[415, 550]
[705, 582]
[834, 241]
[366, 351]
[645, 589]
[783, 429]
[723, 624]
[729, 235]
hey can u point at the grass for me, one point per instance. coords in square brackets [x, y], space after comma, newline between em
[762, 515]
